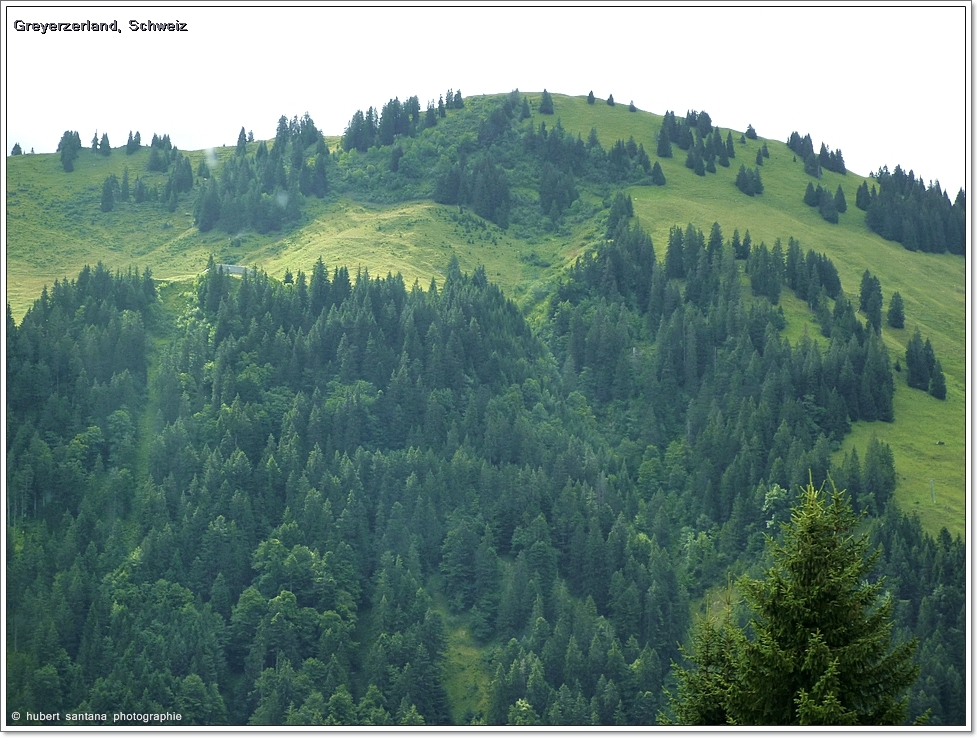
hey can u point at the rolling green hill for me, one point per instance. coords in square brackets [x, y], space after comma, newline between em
[496, 488]
[55, 226]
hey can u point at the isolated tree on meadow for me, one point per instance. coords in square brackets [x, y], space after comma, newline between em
[590, 98]
[16, 150]
[894, 314]
[818, 649]
[546, 103]
[750, 132]
[69, 146]
[109, 189]
[611, 100]
[840, 200]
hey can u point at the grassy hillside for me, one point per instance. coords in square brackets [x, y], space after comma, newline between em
[54, 227]
[932, 285]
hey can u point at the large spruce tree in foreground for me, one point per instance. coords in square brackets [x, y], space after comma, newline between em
[817, 649]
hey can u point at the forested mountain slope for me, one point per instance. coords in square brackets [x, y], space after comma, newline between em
[292, 501]
[376, 213]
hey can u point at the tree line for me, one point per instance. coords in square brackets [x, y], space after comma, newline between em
[920, 217]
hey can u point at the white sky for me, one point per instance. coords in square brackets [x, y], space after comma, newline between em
[887, 84]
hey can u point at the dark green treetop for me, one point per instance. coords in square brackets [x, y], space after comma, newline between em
[546, 103]
[840, 200]
[658, 178]
[894, 315]
[240, 149]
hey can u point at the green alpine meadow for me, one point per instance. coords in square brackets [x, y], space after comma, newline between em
[515, 409]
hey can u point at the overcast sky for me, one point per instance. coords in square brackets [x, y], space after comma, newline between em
[885, 84]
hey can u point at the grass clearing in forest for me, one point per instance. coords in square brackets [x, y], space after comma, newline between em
[466, 676]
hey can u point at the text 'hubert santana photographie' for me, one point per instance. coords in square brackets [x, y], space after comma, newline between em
[516, 409]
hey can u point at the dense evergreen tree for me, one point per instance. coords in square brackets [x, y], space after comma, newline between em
[840, 200]
[868, 287]
[68, 147]
[813, 166]
[827, 205]
[749, 181]
[621, 210]
[133, 143]
[658, 178]
[590, 98]
[820, 650]
[811, 198]
[919, 367]
[546, 103]
[110, 188]
[894, 314]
